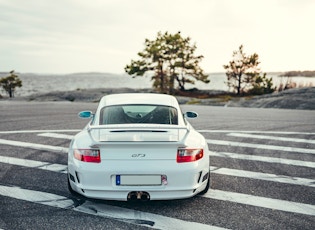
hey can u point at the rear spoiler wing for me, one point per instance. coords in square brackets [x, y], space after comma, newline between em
[138, 127]
[155, 133]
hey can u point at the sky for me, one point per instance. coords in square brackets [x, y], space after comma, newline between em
[70, 36]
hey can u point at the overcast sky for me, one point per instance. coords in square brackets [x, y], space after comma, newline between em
[66, 36]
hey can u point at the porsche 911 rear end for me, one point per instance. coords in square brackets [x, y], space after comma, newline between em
[143, 169]
[138, 146]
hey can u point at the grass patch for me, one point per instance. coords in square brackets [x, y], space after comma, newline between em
[194, 101]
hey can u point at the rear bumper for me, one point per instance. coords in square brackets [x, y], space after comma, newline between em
[98, 181]
[154, 194]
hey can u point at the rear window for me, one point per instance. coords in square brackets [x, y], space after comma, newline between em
[128, 114]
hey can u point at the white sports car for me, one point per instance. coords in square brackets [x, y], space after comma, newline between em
[138, 147]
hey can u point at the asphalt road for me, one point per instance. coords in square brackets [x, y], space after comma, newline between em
[262, 172]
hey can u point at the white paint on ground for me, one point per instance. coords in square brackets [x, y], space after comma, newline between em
[257, 201]
[36, 197]
[40, 131]
[34, 146]
[264, 176]
[158, 221]
[244, 135]
[121, 214]
[261, 146]
[257, 132]
[34, 164]
[56, 135]
[275, 160]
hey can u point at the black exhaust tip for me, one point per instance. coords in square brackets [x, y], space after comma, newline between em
[145, 196]
[132, 196]
[141, 196]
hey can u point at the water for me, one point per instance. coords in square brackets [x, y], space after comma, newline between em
[44, 83]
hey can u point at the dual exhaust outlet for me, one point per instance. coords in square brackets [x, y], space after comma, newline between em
[142, 196]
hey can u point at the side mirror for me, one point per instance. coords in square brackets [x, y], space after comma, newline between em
[86, 114]
[191, 114]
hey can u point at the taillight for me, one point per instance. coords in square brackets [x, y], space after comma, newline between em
[87, 155]
[188, 155]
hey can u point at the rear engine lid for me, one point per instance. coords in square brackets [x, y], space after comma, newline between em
[138, 151]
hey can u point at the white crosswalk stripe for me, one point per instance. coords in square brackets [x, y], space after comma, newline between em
[34, 164]
[264, 202]
[261, 146]
[263, 159]
[256, 132]
[33, 146]
[264, 176]
[264, 137]
[56, 135]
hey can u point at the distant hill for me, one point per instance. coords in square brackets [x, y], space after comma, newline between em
[307, 73]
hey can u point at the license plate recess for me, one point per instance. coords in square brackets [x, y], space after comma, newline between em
[138, 180]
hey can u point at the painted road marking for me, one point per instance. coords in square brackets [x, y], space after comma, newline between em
[261, 146]
[256, 132]
[34, 146]
[307, 164]
[264, 176]
[121, 214]
[40, 131]
[275, 204]
[36, 197]
[244, 135]
[155, 221]
[56, 135]
[34, 164]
